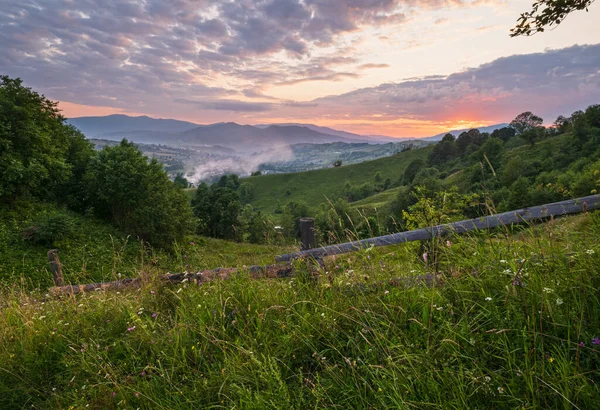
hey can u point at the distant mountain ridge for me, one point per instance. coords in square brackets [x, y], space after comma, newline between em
[147, 130]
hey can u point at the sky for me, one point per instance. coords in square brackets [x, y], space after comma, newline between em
[411, 68]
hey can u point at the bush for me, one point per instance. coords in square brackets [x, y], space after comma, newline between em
[136, 195]
[49, 228]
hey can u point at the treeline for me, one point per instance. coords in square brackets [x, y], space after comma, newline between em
[44, 159]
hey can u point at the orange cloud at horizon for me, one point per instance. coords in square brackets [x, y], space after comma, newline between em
[72, 110]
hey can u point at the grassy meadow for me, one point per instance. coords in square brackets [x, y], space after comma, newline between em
[513, 321]
[314, 187]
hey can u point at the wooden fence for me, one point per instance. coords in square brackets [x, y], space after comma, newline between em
[533, 213]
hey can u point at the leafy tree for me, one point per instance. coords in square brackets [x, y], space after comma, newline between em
[290, 218]
[135, 194]
[40, 155]
[180, 181]
[534, 134]
[411, 170]
[217, 209]
[546, 13]
[246, 192]
[443, 151]
[337, 163]
[504, 133]
[526, 121]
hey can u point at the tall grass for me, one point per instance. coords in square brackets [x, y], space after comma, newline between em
[512, 322]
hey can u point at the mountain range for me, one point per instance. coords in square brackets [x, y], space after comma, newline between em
[248, 138]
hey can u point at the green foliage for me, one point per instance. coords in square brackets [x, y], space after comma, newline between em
[217, 208]
[136, 195]
[545, 14]
[290, 218]
[246, 192]
[48, 228]
[40, 156]
[180, 181]
[525, 122]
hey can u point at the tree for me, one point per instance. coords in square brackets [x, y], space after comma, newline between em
[411, 171]
[337, 163]
[217, 208]
[504, 133]
[180, 181]
[246, 192]
[526, 121]
[40, 155]
[136, 195]
[546, 13]
[443, 151]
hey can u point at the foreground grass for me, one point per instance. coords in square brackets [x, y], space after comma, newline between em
[514, 324]
[95, 251]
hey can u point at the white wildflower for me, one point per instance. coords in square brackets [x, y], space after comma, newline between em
[559, 301]
[590, 251]
[488, 298]
[548, 290]
[503, 261]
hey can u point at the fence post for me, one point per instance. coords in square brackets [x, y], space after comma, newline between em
[56, 267]
[307, 233]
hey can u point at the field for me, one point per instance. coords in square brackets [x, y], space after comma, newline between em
[314, 187]
[513, 321]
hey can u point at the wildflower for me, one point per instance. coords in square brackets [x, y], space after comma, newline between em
[581, 344]
[337, 267]
[136, 394]
[192, 243]
[387, 292]
[590, 251]
[487, 379]
[152, 292]
[154, 315]
[503, 261]
[131, 329]
[425, 257]
[448, 244]
[548, 290]
[114, 394]
[596, 341]
[551, 359]
[143, 373]
[559, 301]
[488, 298]
[500, 390]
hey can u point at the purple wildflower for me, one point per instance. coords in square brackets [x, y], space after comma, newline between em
[581, 344]
[596, 341]
[192, 243]
[152, 292]
[154, 315]
[131, 329]
[425, 257]
[114, 394]
[143, 373]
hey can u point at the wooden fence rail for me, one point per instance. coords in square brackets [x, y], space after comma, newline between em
[533, 213]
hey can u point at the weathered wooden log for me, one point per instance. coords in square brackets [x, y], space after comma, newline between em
[56, 267]
[256, 272]
[307, 233]
[572, 206]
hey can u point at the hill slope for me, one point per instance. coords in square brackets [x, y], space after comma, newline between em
[313, 186]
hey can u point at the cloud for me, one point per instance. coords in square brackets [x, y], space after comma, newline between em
[140, 55]
[372, 65]
[229, 105]
[550, 83]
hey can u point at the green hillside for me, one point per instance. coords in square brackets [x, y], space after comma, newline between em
[314, 187]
